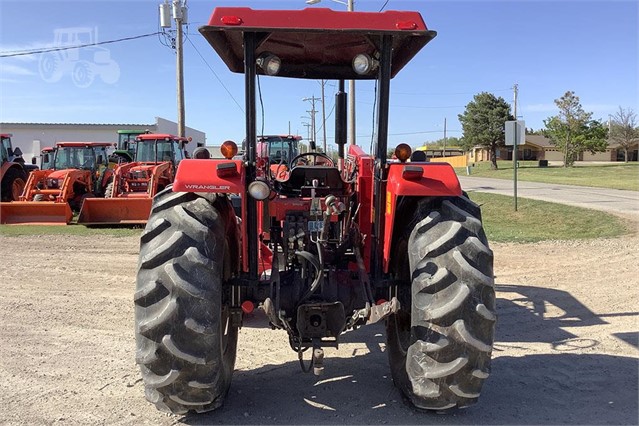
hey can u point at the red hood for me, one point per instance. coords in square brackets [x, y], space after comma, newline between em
[147, 166]
[59, 174]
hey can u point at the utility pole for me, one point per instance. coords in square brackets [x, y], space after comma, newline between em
[177, 14]
[323, 116]
[351, 94]
[515, 89]
[444, 153]
[308, 131]
[312, 112]
[351, 83]
[313, 128]
[178, 11]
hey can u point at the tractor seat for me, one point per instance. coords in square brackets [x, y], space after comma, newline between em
[300, 182]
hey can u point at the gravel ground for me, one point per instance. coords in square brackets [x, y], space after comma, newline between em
[566, 350]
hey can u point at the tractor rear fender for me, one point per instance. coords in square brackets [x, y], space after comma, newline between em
[217, 176]
[210, 175]
[361, 165]
[414, 180]
[9, 165]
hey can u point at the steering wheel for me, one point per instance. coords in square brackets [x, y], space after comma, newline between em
[311, 154]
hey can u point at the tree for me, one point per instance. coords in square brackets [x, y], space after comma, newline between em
[532, 131]
[449, 142]
[574, 131]
[624, 130]
[483, 123]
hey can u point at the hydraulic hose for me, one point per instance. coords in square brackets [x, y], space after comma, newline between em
[318, 272]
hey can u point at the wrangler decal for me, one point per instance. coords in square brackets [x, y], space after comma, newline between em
[208, 187]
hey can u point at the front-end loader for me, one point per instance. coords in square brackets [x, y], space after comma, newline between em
[324, 248]
[79, 171]
[128, 197]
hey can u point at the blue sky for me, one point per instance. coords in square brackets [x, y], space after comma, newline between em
[546, 47]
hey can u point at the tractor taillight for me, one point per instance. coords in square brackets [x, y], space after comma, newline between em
[247, 306]
[226, 170]
[229, 149]
[412, 173]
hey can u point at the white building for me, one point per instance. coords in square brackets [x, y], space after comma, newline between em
[32, 137]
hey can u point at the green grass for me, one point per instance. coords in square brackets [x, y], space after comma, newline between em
[613, 175]
[17, 230]
[538, 220]
[534, 221]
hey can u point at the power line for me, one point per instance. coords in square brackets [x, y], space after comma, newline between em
[78, 46]
[418, 107]
[383, 6]
[406, 133]
[215, 74]
[420, 133]
[444, 93]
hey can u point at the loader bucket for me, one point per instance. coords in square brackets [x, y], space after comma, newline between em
[115, 211]
[35, 213]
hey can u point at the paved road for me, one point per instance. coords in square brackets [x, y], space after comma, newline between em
[625, 203]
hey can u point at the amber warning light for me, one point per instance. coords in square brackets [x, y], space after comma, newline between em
[403, 152]
[229, 149]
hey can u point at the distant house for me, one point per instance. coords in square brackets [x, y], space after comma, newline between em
[538, 147]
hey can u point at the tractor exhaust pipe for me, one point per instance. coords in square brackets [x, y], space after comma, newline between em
[340, 119]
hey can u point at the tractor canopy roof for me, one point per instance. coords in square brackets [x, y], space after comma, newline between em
[294, 137]
[131, 132]
[315, 43]
[85, 144]
[153, 136]
[5, 135]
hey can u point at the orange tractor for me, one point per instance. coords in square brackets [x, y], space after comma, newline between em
[79, 171]
[13, 172]
[46, 157]
[128, 197]
[324, 248]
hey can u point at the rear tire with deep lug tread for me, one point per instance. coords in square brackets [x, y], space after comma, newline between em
[440, 342]
[186, 345]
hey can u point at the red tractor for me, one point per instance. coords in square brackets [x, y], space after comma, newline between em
[128, 197]
[323, 248]
[13, 173]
